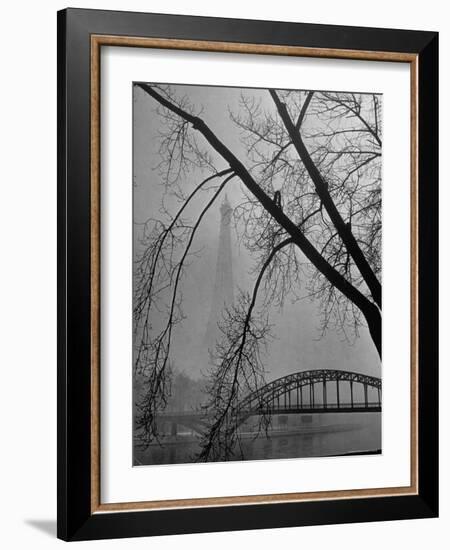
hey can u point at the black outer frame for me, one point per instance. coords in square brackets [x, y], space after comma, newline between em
[75, 521]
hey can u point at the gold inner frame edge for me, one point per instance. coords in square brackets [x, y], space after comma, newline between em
[97, 41]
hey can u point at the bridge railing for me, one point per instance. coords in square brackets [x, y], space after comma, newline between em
[312, 406]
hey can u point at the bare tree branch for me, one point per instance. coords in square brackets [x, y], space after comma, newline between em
[322, 190]
[369, 311]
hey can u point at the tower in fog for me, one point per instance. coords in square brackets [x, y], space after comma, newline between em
[222, 293]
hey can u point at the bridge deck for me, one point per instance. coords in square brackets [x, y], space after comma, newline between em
[294, 409]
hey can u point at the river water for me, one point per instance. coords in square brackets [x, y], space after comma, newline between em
[291, 436]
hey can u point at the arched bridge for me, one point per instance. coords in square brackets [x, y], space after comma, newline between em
[307, 392]
[316, 391]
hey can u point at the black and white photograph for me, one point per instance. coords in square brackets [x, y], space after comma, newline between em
[257, 247]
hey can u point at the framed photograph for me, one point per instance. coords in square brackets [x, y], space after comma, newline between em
[247, 274]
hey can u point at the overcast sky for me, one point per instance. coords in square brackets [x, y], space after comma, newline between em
[297, 345]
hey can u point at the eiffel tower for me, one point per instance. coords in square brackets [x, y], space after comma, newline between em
[222, 295]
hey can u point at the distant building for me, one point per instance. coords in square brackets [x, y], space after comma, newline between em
[222, 293]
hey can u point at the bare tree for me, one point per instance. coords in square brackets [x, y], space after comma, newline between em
[311, 210]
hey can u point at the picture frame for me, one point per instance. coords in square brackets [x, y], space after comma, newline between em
[81, 36]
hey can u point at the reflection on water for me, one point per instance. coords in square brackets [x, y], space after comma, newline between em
[296, 436]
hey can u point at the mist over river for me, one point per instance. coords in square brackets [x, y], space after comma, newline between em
[290, 436]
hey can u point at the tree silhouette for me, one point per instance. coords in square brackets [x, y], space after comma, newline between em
[311, 209]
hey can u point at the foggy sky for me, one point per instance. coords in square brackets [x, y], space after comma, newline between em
[297, 344]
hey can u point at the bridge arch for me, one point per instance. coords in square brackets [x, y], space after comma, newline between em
[267, 398]
[286, 395]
